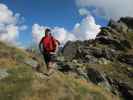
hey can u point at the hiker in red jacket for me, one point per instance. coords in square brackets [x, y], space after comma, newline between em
[48, 47]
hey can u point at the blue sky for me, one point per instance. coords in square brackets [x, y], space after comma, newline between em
[61, 13]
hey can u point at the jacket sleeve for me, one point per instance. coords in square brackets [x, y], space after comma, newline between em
[58, 42]
[57, 45]
[40, 44]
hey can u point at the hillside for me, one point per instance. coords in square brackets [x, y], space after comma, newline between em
[109, 58]
[100, 69]
[20, 81]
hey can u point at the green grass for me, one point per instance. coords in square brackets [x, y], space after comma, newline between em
[25, 84]
[130, 38]
[17, 85]
[85, 91]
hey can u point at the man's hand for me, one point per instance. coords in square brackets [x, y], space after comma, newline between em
[57, 46]
[53, 53]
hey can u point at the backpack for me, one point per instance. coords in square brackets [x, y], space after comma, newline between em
[49, 44]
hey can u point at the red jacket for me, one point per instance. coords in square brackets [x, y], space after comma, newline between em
[49, 43]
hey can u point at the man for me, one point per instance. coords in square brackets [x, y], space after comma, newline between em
[48, 47]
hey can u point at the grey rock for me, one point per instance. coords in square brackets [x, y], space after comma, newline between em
[128, 59]
[128, 21]
[3, 73]
[82, 73]
[126, 91]
[98, 78]
[70, 49]
[94, 75]
[122, 87]
[103, 61]
[119, 26]
[90, 59]
[31, 62]
[65, 67]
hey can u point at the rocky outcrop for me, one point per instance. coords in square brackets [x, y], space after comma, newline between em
[126, 91]
[128, 21]
[71, 48]
[111, 52]
[128, 59]
[110, 43]
[98, 78]
[123, 88]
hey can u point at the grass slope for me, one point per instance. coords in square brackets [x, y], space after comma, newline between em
[23, 83]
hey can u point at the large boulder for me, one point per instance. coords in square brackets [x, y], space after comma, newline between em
[119, 26]
[92, 54]
[123, 88]
[70, 49]
[94, 75]
[128, 59]
[128, 21]
[112, 37]
[98, 78]
[126, 91]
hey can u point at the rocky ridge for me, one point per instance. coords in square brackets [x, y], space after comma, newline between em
[108, 60]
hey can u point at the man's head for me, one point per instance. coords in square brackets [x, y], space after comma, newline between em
[47, 32]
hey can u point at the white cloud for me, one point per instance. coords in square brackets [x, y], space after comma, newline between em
[6, 15]
[63, 35]
[9, 25]
[83, 12]
[110, 8]
[10, 34]
[86, 29]
[38, 32]
[59, 33]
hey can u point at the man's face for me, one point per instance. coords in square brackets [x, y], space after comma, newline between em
[48, 33]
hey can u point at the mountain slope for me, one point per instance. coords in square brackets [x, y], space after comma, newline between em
[99, 69]
[19, 80]
[108, 59]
